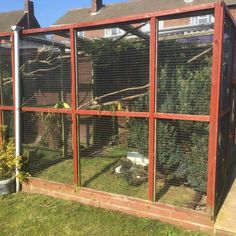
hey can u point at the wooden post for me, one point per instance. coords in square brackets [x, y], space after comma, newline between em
[152, 102]
[214, 106]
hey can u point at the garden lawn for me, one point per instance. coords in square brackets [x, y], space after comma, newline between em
[97, 172]
[24, 214]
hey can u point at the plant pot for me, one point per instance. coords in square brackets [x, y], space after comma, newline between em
[7, 186]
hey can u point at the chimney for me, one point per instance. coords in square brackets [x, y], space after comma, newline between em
[29, 7]
[97, 5]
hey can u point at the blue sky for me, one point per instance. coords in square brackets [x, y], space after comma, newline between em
[48, 11]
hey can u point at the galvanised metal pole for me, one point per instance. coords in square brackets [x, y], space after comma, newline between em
[16, 30]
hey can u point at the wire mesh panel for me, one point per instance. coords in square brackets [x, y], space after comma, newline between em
[46, 70]
[47, 143]
[114, 154]
[226, 64]
[181, 163]
[6, 98]
[7, 121]
[223, 158]
[113, 68]
[233, 131]
[184, 67]
[221, 167]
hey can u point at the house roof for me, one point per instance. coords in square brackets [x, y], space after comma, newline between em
[127, 8]
[8, 19]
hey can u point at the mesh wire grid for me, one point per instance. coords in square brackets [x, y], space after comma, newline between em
[46, 70]
[226, 64]
[184, 69]
[221, 162]
[47, 143]
[114, 154]
[113, 68]
[6, 98]
[181, 149]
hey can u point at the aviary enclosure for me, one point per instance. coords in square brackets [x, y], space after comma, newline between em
[147, 113]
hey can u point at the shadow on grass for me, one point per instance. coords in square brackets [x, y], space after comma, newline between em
[103, 171]
[42, 159]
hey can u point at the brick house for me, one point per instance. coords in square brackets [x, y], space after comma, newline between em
[24, 18]
[99, 11]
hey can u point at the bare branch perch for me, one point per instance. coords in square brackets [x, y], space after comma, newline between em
[199, 55]
[97, 99]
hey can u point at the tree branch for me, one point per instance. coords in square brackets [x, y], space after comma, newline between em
[97, 99]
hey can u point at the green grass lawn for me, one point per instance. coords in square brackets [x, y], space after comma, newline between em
[29, 215]
[97, 172]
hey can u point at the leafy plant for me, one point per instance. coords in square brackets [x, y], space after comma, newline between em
[9, 162]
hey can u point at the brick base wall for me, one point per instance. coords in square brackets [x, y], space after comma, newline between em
[170, 214]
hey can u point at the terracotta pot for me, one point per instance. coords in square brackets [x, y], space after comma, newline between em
[7, 186]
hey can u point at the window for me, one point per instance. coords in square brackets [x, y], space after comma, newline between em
[161, 24]
[202, 20]
[80, 34]
[113, 32]
[146, 28]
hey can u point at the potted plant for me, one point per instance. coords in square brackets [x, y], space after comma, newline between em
[8, 164]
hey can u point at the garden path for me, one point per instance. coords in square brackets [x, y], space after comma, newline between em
[226, 219]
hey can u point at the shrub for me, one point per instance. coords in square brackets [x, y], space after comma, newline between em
[9, 162]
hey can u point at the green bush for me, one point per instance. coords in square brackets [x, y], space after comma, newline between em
[182, 146]
[183, 87]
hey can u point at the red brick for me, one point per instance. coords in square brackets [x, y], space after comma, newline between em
[159, 211]
[101, 197]
[203, 220]
[180, 216]
[138, 206]
[119, 202]
[85, 194]
[36, 182]
[169, 221]
[162, 206]
[127, 205]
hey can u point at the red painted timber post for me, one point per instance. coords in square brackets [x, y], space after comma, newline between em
[214, 106]
[73, 104]
[153, 63]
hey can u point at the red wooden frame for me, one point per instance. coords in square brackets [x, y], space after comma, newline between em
[151, 149]
[73, 93]
[214, 108]
[137, 17]
[170, 116]
[152, 115]
[46, 110]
